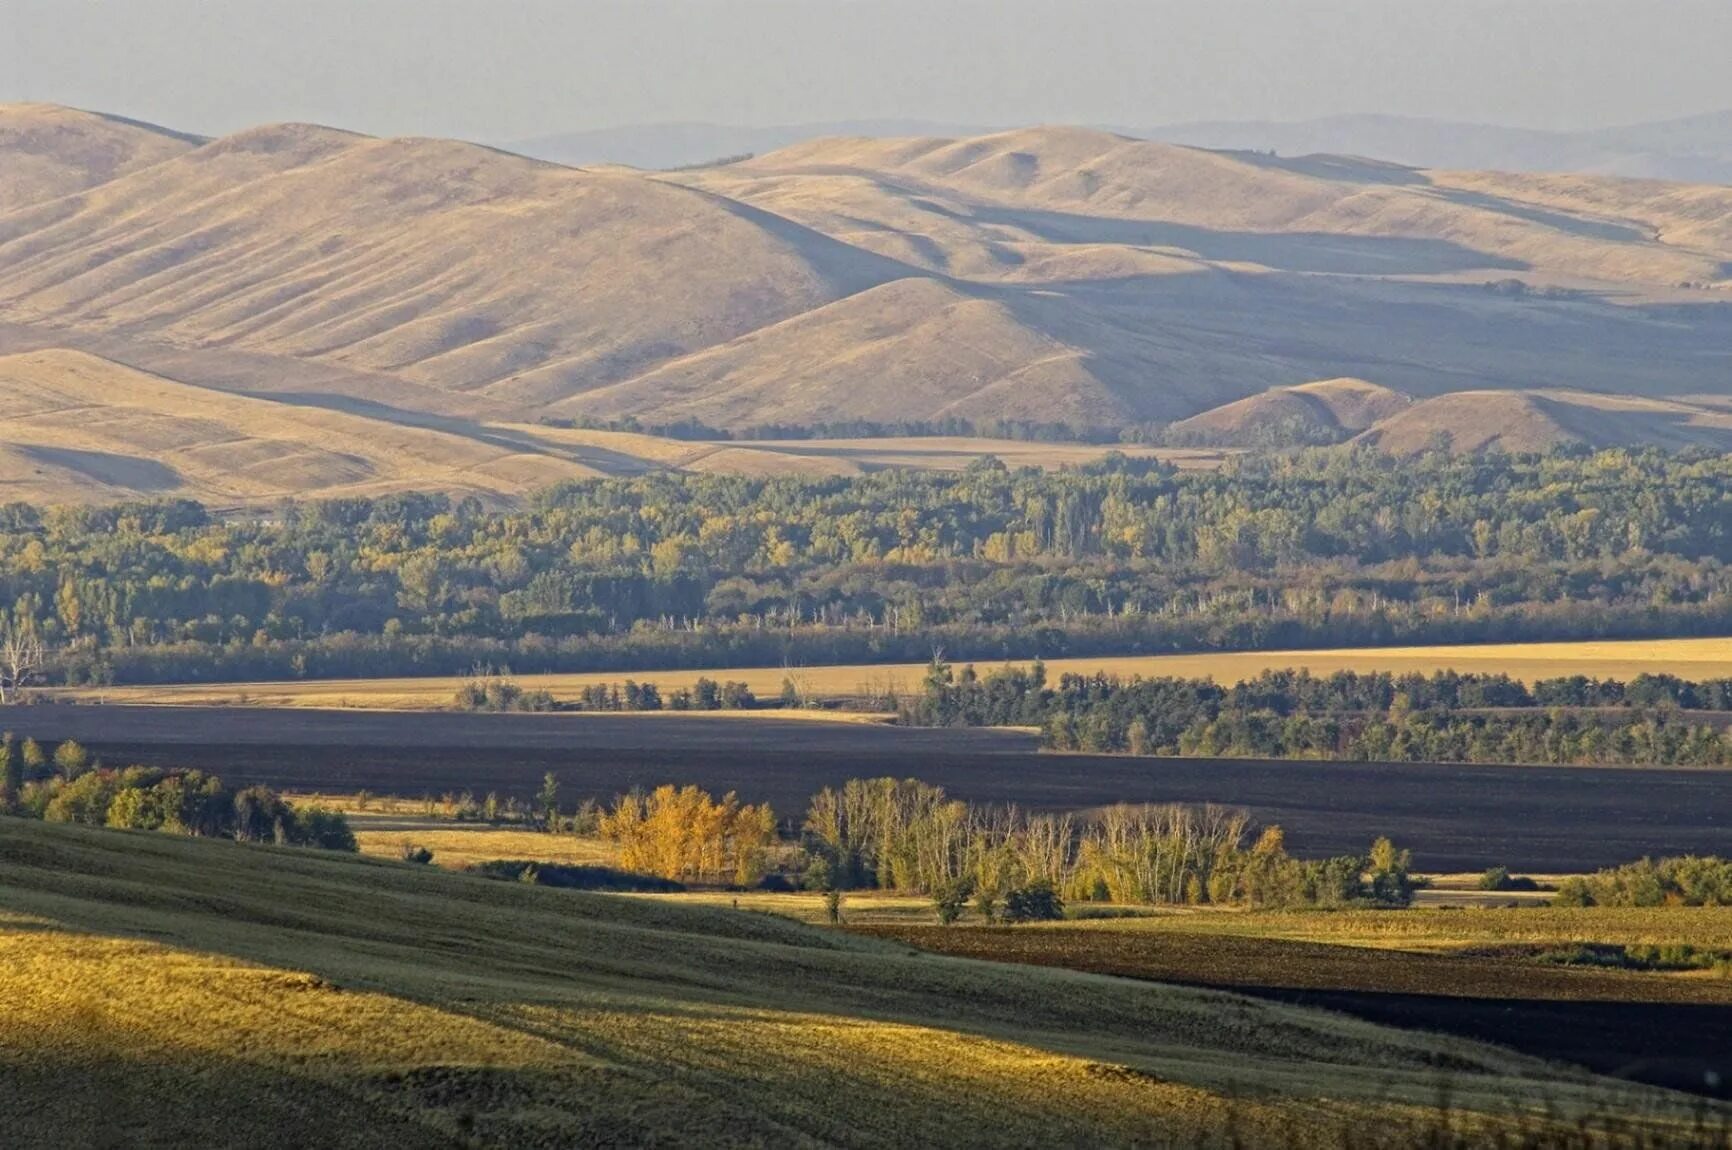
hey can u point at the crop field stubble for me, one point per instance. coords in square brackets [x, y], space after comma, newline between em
[1622, 659]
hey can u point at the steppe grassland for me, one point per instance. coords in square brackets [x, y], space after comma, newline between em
[1622, 659]
[162, 987]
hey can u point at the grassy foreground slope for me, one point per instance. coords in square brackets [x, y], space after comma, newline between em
[164, 991]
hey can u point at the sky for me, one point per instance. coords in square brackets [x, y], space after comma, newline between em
[500, 70]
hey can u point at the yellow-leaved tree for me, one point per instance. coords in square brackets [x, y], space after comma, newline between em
[682, 833]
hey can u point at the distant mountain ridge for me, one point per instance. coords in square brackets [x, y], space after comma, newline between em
[657, 147]
[1693, 149]
[1046, 275]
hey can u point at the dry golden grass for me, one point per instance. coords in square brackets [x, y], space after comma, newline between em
[455, 847]
[75, 427]
[160, 990]
[52, 151]
[1084, 172]
[1517, 421]
[1624, 659]
[1326, 407]
[1008, 275]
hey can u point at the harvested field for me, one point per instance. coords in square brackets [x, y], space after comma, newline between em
[1454, 818]
[1624, 659]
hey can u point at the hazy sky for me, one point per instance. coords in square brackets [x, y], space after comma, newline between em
[506, 69]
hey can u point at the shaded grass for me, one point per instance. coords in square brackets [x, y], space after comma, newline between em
[357, 1002]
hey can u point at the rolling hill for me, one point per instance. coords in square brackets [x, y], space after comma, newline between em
[1695, 149]
[1044, 274]
[162, 990]
[1325, 411]
[76, 427]
[1539, 420]
[47, 151]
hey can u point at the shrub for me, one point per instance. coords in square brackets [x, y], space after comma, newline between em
[1498, 878]
[951, 899]
[1036, 902]
[321, 828]
[415, 853]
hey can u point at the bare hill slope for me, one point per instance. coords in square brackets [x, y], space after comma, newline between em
[1323, 411]
[445, 263]
[47, 151]
[76, 427]
[1536, 421]
[1044, 274]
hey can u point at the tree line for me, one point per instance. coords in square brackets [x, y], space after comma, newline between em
[1446, 716]
[905, 835]
[1336, 548]
[908, 836]
[68, 787]
[1686, 880]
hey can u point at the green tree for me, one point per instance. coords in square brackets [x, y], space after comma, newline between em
[1387, 874]
[11, 772]
[71, 759]
[34, 758]
[548, 800]
[951, 899]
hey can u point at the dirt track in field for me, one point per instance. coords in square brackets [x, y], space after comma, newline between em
[1454, 818]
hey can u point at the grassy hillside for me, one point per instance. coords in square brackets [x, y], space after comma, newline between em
[445, 263]
[1046, 274]
[79, 428]
[162, 990]
[75, 427]
[52, 151]
[1540, 420]
[1324, 411]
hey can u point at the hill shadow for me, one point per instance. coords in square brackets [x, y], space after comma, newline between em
[601, 458]
[1670, 430]
[1313, 252]
[107, 467]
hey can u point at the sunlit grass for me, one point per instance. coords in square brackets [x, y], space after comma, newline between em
[165, 985]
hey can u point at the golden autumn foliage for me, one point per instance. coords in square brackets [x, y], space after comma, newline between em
[682, 833]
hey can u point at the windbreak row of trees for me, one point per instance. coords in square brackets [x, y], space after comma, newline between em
[487, 690]
[905, 835]
[67, 788]
[672, 570]
[1443, 717]
[908, 836]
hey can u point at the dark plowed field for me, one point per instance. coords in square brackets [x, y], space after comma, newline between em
[1453, 817]
[1645, 1027]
